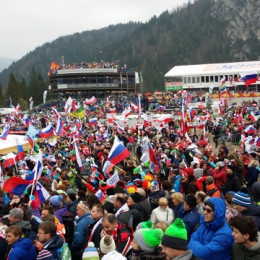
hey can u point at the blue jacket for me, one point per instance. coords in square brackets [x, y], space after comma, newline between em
[178, 210]
[213, 240]
[177, 183]
[191, 218]
[22, 249]
[81, 232]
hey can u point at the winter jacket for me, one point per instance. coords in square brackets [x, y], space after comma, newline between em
[49, 249]
[146, 209]
[185, 256]
[232, 183]
[191, 218]
[240, 252]
[177, 183]
[60, 213]
[178, 210]
[213, 240]
[154, 198]
[141, 255]
[160, 214]
[220, 177]
[251, 176]
[22, 249]
[137, 214]
[81, 232]
[212, 191]
[72, 207]
[254, 211]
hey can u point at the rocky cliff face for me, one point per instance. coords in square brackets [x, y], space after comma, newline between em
[242, 19]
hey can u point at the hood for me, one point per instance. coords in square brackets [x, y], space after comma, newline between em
[25, 225]
[219, 213]
[62, 211]
[252, 210]
[24, 243]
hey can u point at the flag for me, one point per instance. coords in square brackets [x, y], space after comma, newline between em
[26, 120]
[77, 153]
[40, 194]
[112, 110]
[47, 131]
[113, 179]
[16, 185]
[17, 109]
[119, 127]
[31, 99]
[183, 124]
[68, 105]
[148, 118]
[250, 129]
[139, 107]
[5, 132]
[220, 109]
[110, 118]
[78, 113]
[11, 102]
[253, 117]
[59, 127]
[249, 77]
[137, 81]
[152, 157]
[133, 106]
[36, 173]
[93, 121]
[31, 131]
[79, 125]
[100, 195]
[55, 111]
[126, 112]
[91, 101]
[20, 151]
[108, 166]
[10, 159]
[222, 84]
[257, 141]
[118, 152]
[30, 140]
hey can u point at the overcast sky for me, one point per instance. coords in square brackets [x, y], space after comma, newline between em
[27, 24]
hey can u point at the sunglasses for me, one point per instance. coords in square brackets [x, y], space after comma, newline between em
[208, 210]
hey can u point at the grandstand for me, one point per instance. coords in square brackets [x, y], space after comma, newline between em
[203, 77]
[92, 79]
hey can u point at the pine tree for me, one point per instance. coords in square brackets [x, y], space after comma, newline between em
[11, 90]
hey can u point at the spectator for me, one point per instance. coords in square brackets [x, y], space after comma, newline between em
[213, 238]
[232, 183]
[177, 199]
[59, 209]
[162, 213]
[107, 244]
[200, 196]
[247, 243]
[212, 191]
[244, 205]
[20, 248]
[145, 204]
[175, 241]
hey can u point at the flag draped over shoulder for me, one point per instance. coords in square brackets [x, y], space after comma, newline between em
[118, 152]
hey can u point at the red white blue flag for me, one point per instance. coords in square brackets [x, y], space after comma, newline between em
[249, 77]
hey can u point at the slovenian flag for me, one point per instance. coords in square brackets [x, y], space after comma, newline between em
[20, 151]
[40, 194]
[118, 152]
[119, 127]
[100, 195]
[37, 170]
[249, 77]
[47, 131]
[93, 121]
[108, 166]
[5, 132]
[26, 120]
[59, 127]
[250, 129]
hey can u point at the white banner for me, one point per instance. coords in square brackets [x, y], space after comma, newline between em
[113, 179]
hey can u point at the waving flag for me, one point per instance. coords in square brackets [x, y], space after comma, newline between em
[26, 120]
[249, 77]
[16, 185]
[93, 121]
[20, 151]
[126, 112]
[253, 117]
[5, 132]
[79, 125]
[222, 87]
[91, 101]
[110, 118]
[100, 195]
[152, 157]
[118, 152]
[250, 129]
[59, 127]
[77, 153]
[108, 166]
[112, 110]
[56, 112]
[10, 159]
[30, 140]
[35, 175]
[134, 107]
[119, 127]
[257, 141]
[69, 105]
[139, 107]
[47, 131]
[148, 118]
[17, 109]
[40, 194]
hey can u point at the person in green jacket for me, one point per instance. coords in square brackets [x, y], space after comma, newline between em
[247, 239]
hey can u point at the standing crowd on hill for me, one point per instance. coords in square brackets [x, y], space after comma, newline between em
[173, 197]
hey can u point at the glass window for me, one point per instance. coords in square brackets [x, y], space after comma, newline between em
[207, 78]
[202, 79]
[197, 79]
[189, 80]
[185, 80]
[193, 80]
[216, 79]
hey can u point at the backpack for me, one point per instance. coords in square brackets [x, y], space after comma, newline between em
[63, 252]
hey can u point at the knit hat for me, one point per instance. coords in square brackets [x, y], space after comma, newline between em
[56, 200]
[107, 244]
[154, 186]
[148, 239]
[90, 252]
[71, 195]
[231, 167]
[145, 224]
[242, 198]
[136, 197]
[176, 236]
[191, 200]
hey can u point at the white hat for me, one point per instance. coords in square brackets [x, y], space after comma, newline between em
[114, 255]
[107, 244]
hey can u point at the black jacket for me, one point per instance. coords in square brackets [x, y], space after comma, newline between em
[232, 184]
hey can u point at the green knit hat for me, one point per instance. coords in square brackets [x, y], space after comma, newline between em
[148, 239]
[145, 224]
[176, 236]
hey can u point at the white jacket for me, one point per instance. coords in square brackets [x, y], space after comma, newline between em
[160, 214]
